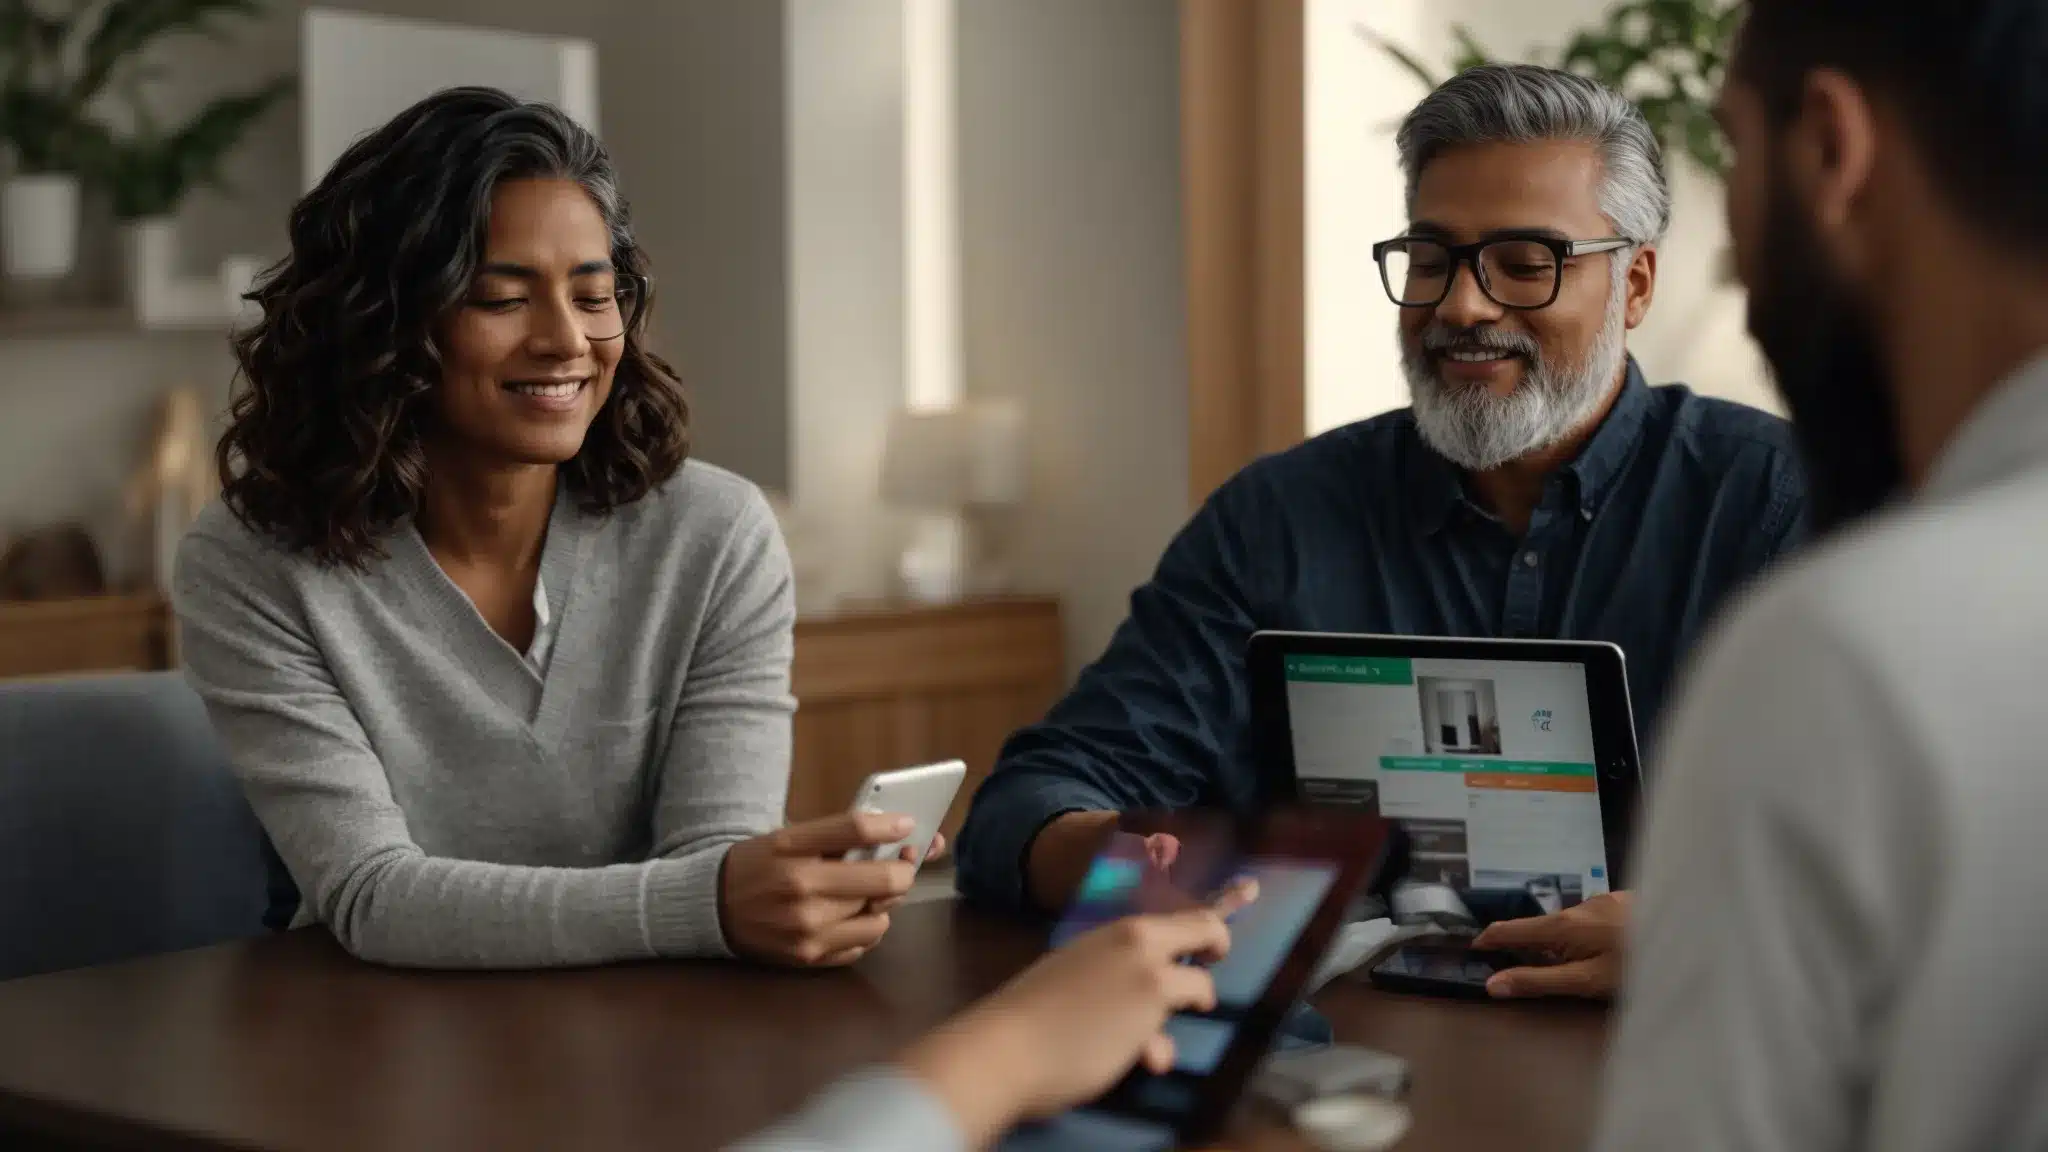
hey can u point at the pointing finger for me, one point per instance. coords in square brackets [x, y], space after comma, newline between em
[1552, 931]
[1587, 978]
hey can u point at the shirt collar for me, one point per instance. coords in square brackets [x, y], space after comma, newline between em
[1601, 462]
[1438, 487]
[2005, 436]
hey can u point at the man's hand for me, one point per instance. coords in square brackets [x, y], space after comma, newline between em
[1162, 849]
[1584, 944]
[787, 897]
[1073, 1024]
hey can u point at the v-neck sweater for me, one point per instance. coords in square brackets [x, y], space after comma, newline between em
[442, 802]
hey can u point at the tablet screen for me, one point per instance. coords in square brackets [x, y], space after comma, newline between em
[1488, 764]
[1265, 934]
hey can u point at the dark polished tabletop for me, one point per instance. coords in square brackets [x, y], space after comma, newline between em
[286, 1043]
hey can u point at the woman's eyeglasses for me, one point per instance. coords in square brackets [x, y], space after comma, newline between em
[613, 318]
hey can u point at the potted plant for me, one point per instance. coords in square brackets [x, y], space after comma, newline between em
[148, 173]
[1667, 56]
[54, 68]
[45, 129]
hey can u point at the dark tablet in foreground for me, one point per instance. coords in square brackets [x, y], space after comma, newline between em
[1310, 863]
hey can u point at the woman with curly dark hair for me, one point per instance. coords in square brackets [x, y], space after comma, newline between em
[504, 675]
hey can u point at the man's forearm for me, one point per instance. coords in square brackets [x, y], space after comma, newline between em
[1010, 812]
[1058, 858]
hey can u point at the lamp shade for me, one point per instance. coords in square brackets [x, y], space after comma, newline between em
[922, 461]
[954, 458]
[995, 453]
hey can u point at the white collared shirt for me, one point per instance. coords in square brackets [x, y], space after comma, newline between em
[543, 628]
[1841, 934]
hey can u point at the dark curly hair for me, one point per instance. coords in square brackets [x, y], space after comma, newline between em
[325, 446]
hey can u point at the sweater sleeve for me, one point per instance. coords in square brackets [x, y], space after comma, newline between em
[726, 774]
[874, 1111]
[323, 796]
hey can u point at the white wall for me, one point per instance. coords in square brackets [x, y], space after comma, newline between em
[345, 99]
[1352, 185]
[693, 96]
[1694, 332]
[79, 414]
[1073, 293]
[844, 138]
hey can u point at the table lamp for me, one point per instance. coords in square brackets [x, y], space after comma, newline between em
[958, 470]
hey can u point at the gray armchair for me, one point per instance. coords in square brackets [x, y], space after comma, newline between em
[122, 831]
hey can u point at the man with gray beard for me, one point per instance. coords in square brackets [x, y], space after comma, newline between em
[1538, 487]
[1483, 431]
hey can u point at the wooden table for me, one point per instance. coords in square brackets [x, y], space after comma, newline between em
[287, 1043]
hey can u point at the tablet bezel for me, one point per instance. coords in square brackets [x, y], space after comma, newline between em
[1619, 763]
[1359, 845]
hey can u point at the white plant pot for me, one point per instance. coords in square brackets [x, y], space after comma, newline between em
[39, 226]
[160, 296]
[237, 278]
[149, 251]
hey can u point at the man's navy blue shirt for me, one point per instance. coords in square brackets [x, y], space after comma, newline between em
[1675, 502]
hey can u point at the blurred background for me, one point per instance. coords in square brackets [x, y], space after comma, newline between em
[988, 292]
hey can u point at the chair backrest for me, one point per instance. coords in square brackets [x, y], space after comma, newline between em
[123, 832]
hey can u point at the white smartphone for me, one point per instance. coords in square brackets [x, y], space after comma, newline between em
[924, 793]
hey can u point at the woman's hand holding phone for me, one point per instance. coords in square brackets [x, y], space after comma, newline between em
[789, 897]
[909, 856]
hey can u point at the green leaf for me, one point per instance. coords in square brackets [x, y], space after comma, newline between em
[52, 68]
[150, 176]
[1705, 143]
[1470, 54]
[127, 27]
[1668, 56]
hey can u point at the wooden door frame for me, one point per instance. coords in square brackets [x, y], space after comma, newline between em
[1241, 84]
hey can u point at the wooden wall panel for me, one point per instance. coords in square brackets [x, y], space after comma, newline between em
[76, 637]
[1243, 207]
[973, 726]
[838, 745]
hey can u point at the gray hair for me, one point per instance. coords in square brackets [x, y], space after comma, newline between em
[1525, 104]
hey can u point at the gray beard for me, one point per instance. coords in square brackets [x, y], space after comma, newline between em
[1477, 430]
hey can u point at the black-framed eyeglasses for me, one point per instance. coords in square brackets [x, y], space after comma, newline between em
[609, 320]
[1524, 272]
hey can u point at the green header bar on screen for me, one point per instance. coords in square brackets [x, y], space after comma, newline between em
[1461, 764]
[1352, 669]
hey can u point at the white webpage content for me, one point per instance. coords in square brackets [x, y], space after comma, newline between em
[1489, 765]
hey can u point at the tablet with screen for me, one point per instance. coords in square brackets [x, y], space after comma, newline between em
[1511, 764]
[1309, 862]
